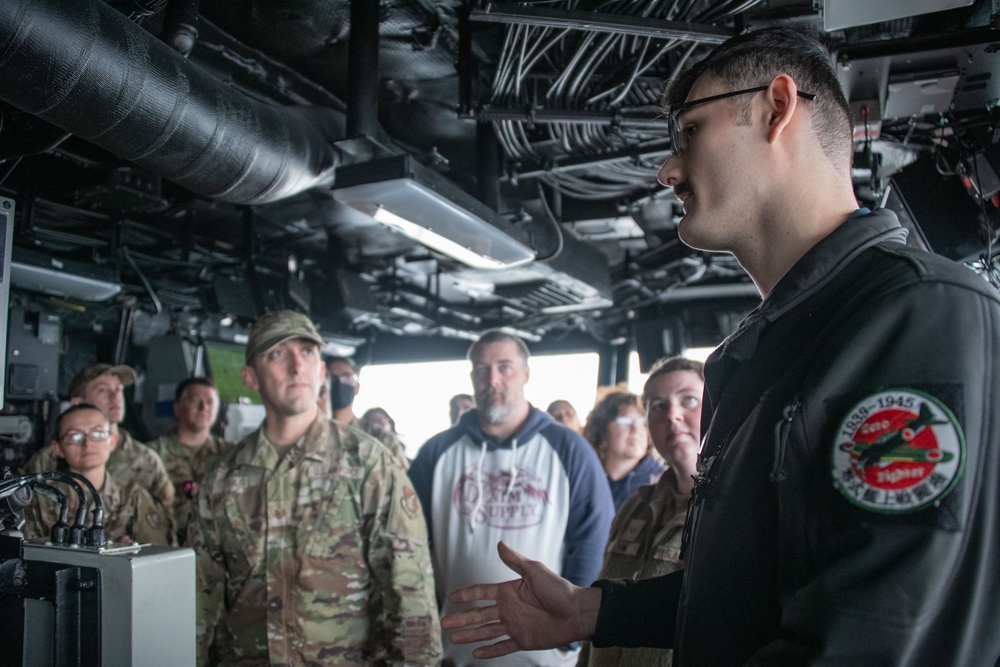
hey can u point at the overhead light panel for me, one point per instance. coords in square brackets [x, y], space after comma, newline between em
[57, 283]
[40, 272]
[404, 195]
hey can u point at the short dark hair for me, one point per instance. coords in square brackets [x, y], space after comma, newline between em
[198, 380]
[344, 360]
[605, 412]
[460, 397]
[556, 402]
[755, 58]
[78, 385]
[498, 336]
[78, 407]
[374, 411]
[671, 365]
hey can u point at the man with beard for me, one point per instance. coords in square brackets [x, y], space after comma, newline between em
[508, 471]
[312, 547]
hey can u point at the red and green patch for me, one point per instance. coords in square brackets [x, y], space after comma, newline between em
[409, 502]
[898, 451]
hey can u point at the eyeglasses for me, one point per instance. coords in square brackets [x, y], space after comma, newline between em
[627, 422]
[677, 139]
[78, 438]
[345, 378]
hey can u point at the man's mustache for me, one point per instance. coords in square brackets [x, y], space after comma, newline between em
[490, 393]
[682, 189]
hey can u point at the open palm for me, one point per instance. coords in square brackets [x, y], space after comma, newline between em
[539, 611]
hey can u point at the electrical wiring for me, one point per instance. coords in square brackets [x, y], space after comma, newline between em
[149, 288]
[591, 70]
[554, 223]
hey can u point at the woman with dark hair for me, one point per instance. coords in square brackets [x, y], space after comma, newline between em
[564, 413]
[378, 422]
[616, 427]
[645, 538]
[81, 443]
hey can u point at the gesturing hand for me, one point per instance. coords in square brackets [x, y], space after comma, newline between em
[539, 611]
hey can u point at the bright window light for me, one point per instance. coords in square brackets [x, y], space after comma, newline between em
[699, 353]
[416, 394]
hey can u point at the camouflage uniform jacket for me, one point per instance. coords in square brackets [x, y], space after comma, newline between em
[130, 462]
[388, 439]
[323, 555]
[130, 514]
[186, 464]
[645, 542]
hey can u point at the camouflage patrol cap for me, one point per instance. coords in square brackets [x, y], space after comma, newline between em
[79, 382]
[274, 328]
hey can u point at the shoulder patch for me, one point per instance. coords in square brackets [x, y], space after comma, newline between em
[409, 502]
[898, 451]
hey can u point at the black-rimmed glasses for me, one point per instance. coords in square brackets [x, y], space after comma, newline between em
[78, 438]
[677, 139]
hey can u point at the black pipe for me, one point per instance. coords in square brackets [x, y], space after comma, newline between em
[488, 165]
[622, 362]
[362, 69]
[84, 67]
[466, 64]
[607, 366]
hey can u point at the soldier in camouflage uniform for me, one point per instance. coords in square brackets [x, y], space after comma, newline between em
[188, 451]
[645, 538]
[131, 461]
[82, 444]
[343, 388]
[311, 541]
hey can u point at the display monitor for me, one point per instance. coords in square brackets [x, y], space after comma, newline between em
[225, 367]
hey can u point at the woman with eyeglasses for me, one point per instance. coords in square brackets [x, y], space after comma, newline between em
[82, 444]
[645, 538]
[616, 428]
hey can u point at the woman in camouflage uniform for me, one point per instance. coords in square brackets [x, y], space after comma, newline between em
[82, 444]
[646, 534]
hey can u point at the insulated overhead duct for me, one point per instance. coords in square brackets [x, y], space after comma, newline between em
[84, 67]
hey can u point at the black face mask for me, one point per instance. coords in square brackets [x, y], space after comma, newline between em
[341, 395]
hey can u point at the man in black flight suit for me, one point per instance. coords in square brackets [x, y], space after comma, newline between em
[847, 505]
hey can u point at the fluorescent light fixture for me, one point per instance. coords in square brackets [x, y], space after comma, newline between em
[402, 194]
[435, 241]
[57, 283]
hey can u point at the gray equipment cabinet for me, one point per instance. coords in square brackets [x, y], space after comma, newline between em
[121, 607]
